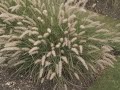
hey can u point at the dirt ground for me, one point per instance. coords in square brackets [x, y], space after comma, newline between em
[20, 83]
[109, 8]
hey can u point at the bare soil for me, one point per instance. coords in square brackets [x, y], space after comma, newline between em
[109, 8]
[20, 83]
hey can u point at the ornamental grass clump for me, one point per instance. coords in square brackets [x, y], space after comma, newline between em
[48, 40]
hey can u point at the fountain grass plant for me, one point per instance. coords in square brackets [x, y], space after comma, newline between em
[50, 41]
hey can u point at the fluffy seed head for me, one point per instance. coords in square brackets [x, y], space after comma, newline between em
[33, 49]
[49, 30]
[71, 18]
[74, 39]
[52, 75]
[45, 13]
[37, 42]
[43, 60]
[58, 45]
[49, 73]
[75, 51]
[46, 35]
[53, 53]
[60, 68]
[82, 26]
[77, 76]
[81, 48]
[48, 54]
[61, 39]
[47, 63]
[40, 73]
[64, 59]
[10, 49]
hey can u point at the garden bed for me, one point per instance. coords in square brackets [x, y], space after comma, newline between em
[22, 83]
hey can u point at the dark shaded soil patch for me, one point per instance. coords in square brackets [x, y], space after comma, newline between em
[107, 7]
[20, 83]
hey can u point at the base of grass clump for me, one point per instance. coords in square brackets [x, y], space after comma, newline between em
[55, 45]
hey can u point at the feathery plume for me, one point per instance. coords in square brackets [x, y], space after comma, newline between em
[83, 61]
[75, 51]
[48, 74]
[60, 68]
[64, 58]
[37, 42]
[46, 35]
[45, 13]
[33, 49]
[52, 75]
[81, 48]
[43, 60]
[53, 53]
[41, 73]
[10, 49]
[49, 30]
[77, 76]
